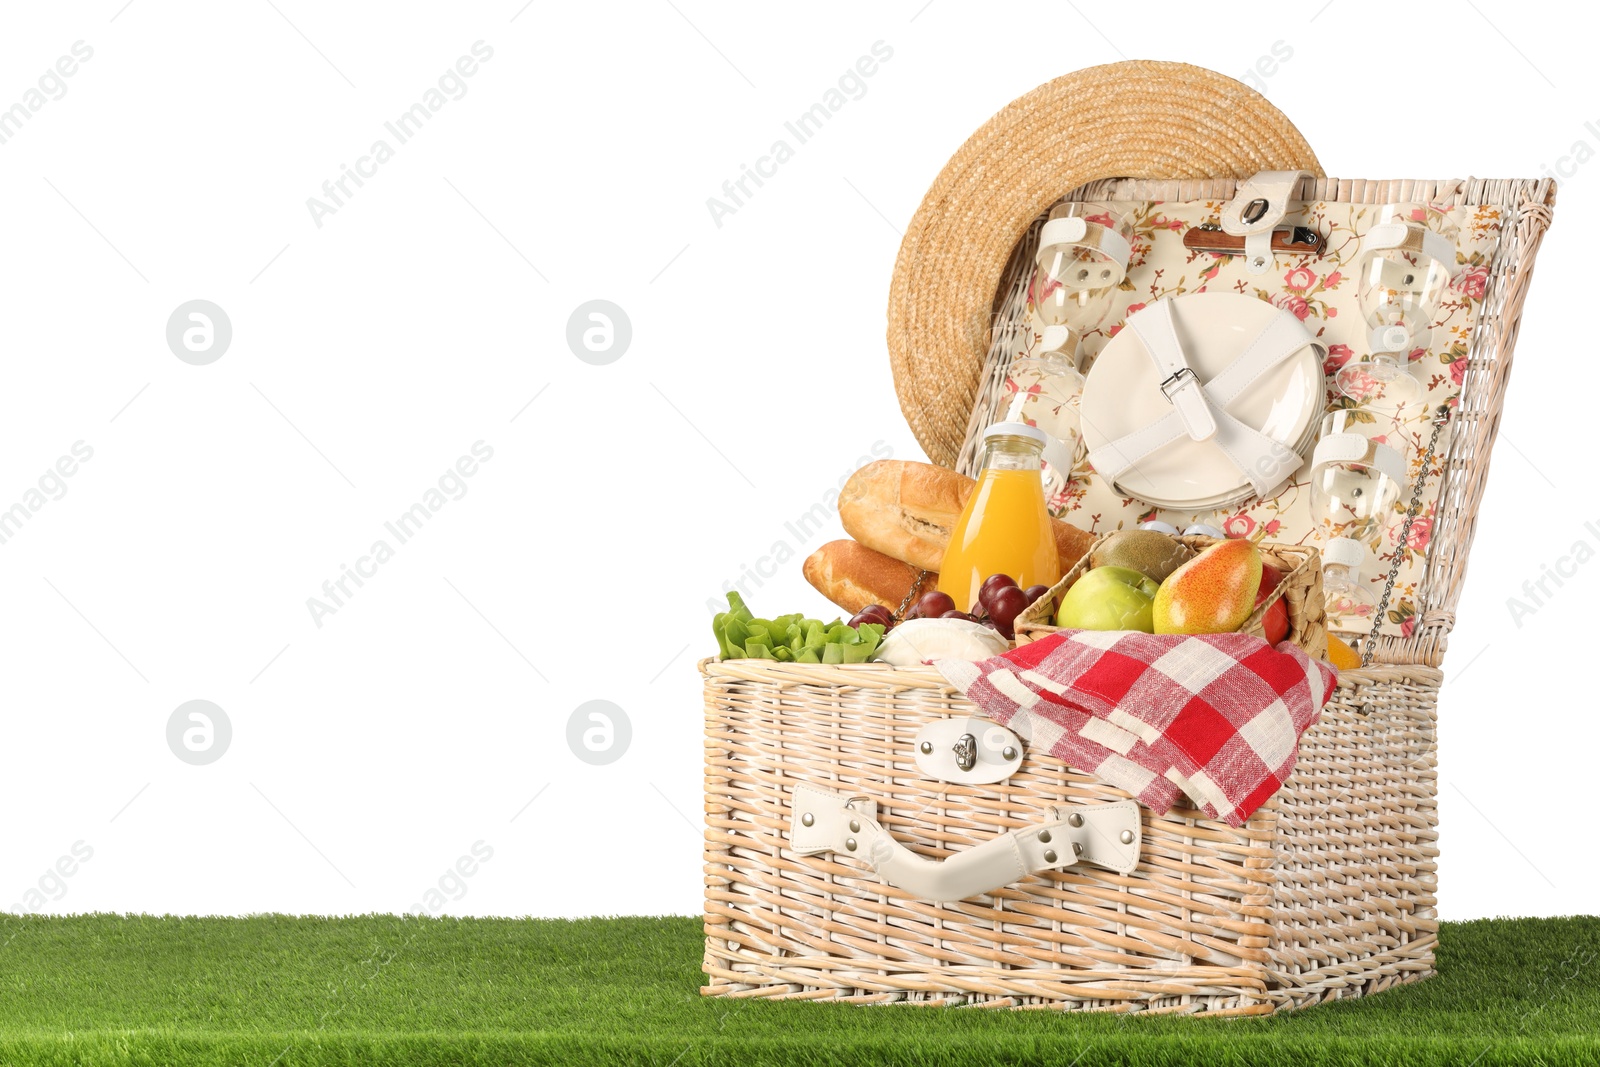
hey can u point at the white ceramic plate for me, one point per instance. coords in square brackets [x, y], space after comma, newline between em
[1226, 500]
[1123, 394]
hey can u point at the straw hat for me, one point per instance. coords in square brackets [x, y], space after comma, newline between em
[1135, 119]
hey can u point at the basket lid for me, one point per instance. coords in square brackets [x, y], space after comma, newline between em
[1138, 118]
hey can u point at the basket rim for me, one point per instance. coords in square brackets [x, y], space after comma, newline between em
[1308, 624]
[881, 675]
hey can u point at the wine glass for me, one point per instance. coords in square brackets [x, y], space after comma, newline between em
[1402, 273]
[1350, 604]
[1083, 256]
[1355, 481]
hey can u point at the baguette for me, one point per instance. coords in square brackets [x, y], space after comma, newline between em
[853, 576]
[906, 510]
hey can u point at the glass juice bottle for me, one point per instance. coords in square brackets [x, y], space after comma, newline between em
[1004, 529]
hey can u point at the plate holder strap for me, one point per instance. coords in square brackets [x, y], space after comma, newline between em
[1262, 460]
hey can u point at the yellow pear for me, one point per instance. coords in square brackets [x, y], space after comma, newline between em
[1214, 593]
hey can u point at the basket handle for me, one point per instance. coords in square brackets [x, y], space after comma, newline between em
[1105, 835]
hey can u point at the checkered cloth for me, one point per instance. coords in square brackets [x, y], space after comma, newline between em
[1215, 716]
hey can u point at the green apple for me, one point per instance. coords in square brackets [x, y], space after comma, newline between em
[1109, 598]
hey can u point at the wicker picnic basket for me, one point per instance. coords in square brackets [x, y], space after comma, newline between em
[1328, 891]
[837, 867]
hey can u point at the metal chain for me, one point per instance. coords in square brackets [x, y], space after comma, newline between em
[911, 594]
[1441, 417]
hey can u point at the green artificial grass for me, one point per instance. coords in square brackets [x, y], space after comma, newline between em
[279, 991]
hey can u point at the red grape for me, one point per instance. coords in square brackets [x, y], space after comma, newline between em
[996, 581]
[1034, 592]
[953, 614]
[1005, 606]
[932, 605]
[875, 614]
[992, 586]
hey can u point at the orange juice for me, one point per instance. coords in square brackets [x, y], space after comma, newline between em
[1004, 529]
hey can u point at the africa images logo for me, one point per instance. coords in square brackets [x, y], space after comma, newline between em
[851, 85]
[403, 128]
[451, 485]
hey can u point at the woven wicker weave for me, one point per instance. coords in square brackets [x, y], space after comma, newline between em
[1326, 892]
[1526, 206]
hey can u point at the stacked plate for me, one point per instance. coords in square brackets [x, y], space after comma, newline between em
[1123, 395]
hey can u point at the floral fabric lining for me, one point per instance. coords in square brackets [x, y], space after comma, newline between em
[1321, 292]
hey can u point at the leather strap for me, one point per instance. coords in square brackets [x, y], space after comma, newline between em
[1061, 455]
[1408, 237]
[1105, 835]
[1263, 461]
[1154, 326]
[1344, 552]
[1081, 233]
[1257, 207]
[1357, 448]
[1055, 338]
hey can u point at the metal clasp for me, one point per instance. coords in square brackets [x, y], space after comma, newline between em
[1304, 235]
[1180, 378]
[966, 750]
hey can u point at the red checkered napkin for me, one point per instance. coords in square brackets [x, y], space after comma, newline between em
[1215, 716]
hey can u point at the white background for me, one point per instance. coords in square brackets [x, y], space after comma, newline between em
[425, 313]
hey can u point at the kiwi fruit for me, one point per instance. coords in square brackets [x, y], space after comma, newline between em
[1150, 552]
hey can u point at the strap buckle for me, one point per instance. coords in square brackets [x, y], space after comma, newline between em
[1181, 378]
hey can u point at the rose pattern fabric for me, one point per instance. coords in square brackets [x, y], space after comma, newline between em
[1338, 356]
[1322, 293]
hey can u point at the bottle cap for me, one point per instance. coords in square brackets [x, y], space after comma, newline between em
[1017, 429]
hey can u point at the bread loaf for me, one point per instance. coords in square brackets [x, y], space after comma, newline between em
[905, 510]
[853, 576]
